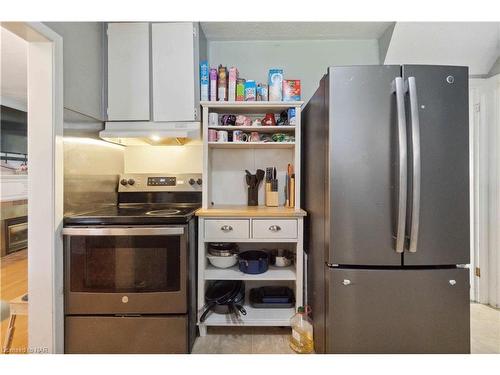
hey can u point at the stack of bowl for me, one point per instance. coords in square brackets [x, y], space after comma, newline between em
[222, 255]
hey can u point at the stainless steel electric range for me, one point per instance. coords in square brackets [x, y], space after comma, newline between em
[130, 269]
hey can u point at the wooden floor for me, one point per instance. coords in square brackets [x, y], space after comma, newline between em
[14, 282]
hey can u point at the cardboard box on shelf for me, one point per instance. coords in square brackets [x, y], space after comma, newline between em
[291, 90]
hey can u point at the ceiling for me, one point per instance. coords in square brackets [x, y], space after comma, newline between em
[13, 61]
[215, 31]
[474, 44]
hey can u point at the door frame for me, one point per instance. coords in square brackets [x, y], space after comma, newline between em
[45, 185]
[484, 106]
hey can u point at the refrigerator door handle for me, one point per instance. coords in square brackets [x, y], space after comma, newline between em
[415, 138]
[398, 88]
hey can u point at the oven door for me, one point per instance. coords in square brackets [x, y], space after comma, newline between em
[125, 270]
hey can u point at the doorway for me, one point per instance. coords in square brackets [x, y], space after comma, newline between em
[44, 189]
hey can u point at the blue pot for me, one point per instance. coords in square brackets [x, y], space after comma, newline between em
[253, 261]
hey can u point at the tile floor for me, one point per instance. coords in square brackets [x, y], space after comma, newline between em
[485, 329]
[244, 340]
[485, 336]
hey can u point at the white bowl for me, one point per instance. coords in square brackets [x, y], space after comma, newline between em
[223, 261]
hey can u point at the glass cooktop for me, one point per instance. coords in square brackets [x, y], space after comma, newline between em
[135, 214]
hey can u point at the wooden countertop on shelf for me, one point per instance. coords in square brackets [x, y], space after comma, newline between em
[249, 211]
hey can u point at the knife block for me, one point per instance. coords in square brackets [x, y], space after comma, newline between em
[253, 196]
[271, 196]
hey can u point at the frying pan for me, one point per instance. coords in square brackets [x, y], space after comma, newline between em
[222, 296]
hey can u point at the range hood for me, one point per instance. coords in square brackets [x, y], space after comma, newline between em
[139, 133]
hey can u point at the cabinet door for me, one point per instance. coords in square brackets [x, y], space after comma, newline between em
[173, 72]
[128, 71]
[398, 311]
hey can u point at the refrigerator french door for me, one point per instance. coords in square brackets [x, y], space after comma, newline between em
[390, 225]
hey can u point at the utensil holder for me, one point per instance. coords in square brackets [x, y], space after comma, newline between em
[271, 198]
[253, 196]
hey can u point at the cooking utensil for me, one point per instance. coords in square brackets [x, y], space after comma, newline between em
[222, 249]
[218, 293]
[253, 261]
[260, 175]
[222, 296]
[253, 181]
[223, 261]
[272, 297]
[269, 174]
[281, 257]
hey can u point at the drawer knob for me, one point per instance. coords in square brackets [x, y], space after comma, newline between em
[452, 282]
[274, 228]
[226, 228]
[346, 282]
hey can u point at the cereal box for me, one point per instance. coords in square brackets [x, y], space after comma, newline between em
[204, 80]
[275, 81]
[291, 90]
[213, 84]
[240, 90]
[233, 78]
[250, 91]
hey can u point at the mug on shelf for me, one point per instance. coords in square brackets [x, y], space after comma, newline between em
[222, 136]
[269, 120]
[279, 137]
[257, 122]
[228, 119]
[240, 136]
[213, 119]
[242, 120]
[212, 135]
[254, 137]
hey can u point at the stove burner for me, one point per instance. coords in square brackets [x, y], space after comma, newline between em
[165, 212]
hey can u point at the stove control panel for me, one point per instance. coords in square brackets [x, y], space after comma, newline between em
[138, 182]
[162, 181]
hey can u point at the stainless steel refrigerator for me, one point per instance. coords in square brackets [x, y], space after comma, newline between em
[386, 188]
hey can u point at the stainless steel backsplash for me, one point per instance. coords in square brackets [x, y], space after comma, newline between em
[91, 167]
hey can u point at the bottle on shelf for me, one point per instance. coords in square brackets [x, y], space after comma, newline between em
[301, 340]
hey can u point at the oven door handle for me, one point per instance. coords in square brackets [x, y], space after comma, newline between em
[171, 231]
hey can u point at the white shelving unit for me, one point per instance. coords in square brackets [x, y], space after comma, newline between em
[254, 317]
[267, 145]
[233, 273]
[260, 129]
[224, 205]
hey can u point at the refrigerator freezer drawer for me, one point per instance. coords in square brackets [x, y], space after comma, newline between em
[398, 311]
[126, 335]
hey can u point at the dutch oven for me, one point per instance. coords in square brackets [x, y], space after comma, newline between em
[253, 261]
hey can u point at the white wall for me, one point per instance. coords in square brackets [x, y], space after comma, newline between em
[306, 60]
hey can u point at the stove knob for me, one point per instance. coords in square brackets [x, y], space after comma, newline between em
[191, 181]
[199, 181]
[131, 181]
[124, 182]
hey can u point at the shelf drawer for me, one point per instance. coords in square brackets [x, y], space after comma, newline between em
[269, 229]
[230, 229]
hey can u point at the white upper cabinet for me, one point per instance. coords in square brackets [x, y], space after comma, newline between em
[175, 72]
[83, 66]
[128, 72]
